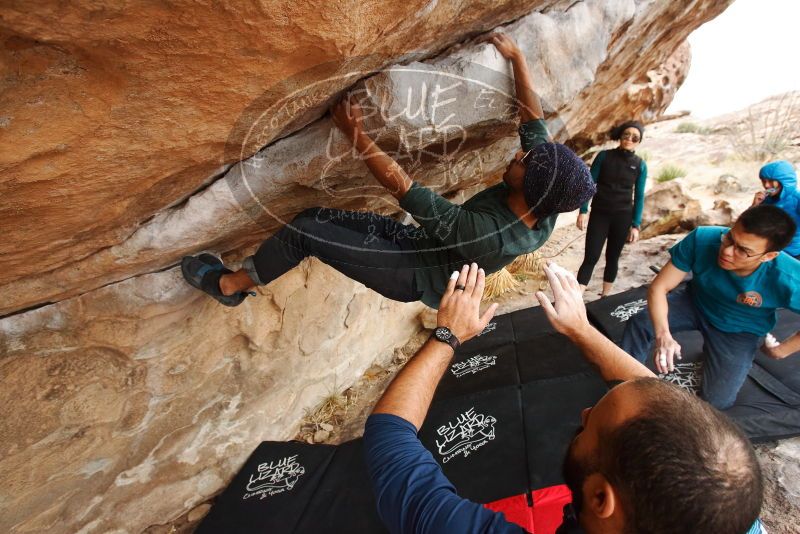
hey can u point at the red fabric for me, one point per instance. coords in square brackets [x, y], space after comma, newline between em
[515, 509]
[546, 514]
[548, 508]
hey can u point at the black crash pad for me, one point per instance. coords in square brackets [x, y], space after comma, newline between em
[768, 404]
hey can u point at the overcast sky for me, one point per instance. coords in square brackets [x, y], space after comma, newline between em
[744, 55]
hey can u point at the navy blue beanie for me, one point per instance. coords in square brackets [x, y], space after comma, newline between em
[556, 180]
[616, 133]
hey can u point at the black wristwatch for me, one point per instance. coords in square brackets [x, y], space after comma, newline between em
[443, 334]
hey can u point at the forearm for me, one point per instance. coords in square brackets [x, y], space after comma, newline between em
[387, 171]
[410, 393]
[530, 106]
[594, 170]
[638, 200]
[790, 345]
[658, 308]
[612, 362]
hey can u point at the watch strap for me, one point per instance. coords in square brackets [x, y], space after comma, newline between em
[452, 340]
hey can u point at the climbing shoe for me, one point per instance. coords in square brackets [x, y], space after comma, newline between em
[204, 272]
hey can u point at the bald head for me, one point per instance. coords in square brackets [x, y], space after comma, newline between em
[679, 465]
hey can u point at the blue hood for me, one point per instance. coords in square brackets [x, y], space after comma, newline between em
[780, 170]
[789, 199]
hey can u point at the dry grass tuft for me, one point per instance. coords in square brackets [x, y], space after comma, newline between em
[331, 412]
[499, 283]
[528, 265]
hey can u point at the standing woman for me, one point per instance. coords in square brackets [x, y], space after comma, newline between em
[617, 207]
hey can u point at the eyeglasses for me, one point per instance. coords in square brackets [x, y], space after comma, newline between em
[522, 161]
[738, 250]
[631, 137]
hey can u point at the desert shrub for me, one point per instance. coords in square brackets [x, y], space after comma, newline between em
[766, 134]
[670, 172]
[692, 127]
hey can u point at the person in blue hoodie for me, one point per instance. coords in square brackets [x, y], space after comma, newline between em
[780, 189]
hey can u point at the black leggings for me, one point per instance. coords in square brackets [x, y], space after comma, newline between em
[613, 226]
[366, 247]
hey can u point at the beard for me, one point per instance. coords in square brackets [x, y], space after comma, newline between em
[575, 472]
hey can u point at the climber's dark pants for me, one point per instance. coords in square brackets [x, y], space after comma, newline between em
[366, 247]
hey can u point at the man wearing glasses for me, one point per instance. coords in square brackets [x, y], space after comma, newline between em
[406, 263]
[740, 277]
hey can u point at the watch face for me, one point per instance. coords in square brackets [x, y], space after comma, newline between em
[443, 333]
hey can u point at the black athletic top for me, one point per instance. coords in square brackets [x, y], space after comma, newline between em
[619, 173]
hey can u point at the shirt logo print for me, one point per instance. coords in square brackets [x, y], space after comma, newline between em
[275, 477]
[750, 298]
[469, 432]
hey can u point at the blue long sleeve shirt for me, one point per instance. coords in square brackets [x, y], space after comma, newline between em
[411, 491]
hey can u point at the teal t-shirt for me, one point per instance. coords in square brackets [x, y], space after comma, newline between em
[736, 303]
[483, 229]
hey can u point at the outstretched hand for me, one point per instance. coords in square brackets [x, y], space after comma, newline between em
[665, 351]
[504, 44]
[459, 309]
[348, 117]
[568, 313]
[772, 348]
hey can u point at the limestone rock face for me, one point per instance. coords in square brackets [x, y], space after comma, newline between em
[655, 91]
[129, 404]
[131, 117]
[727, 184]
[112, 114]
[669, 209]
[133, 138]
[722, 214]
[781, 484]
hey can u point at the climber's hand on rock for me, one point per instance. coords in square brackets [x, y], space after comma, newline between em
[348, 117]
[504, 44]
[459, 309]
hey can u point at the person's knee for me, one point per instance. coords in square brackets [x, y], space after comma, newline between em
[308, 222]
[719, 399]
[637, 336]
[591, 257]
[308, 214]
[641, 321]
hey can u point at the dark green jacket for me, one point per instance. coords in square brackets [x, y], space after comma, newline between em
[483, 229]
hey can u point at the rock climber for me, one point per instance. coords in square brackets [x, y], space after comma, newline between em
[408, 263]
